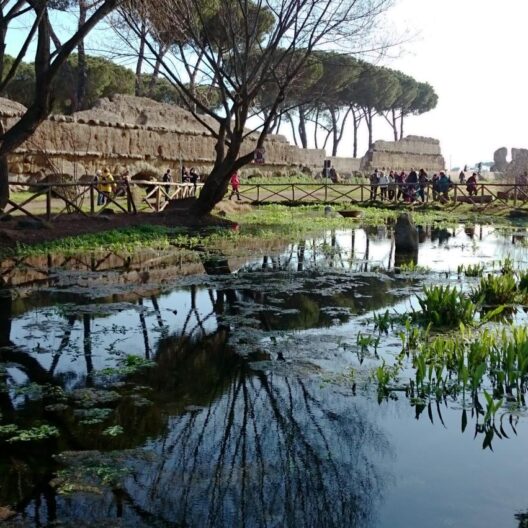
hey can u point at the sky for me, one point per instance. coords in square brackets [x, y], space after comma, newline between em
[472, 53]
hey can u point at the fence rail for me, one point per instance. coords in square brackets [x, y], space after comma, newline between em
[52, 200]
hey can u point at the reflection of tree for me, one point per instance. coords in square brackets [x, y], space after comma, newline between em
[265, 452]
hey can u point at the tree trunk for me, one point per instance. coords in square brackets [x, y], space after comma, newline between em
[294, 133]
[138, 87]
[302, 128]
[368, 119]
[213, 191]
[335, 131]
[4, 182]
[356, 120]
[82, 73]
[401, 126]
[6, 303]
[316, 129]
[394, 124]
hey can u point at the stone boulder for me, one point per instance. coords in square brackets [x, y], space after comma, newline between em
[405, 234]
[500, 164]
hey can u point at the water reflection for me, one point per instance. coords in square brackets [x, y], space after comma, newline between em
[228, 446]
[227, 427]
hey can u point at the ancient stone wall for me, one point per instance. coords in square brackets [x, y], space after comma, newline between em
[346, 166]
[130, 132]
[411, 152]
[510, 170]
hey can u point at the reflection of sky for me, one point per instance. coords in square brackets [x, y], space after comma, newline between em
[485, 246]
[444, 478]
[42, 330]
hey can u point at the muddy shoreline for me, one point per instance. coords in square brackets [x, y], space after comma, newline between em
[24, 230]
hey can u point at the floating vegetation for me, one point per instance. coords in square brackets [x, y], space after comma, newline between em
[383, 322]
[129, 365]
[12, 433]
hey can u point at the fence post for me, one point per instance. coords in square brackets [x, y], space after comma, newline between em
[258, 193]
[158, 198]
[48, 204]
[362, 196]
[456, 192]
[92, 199]
[326, 192]
[515, 195]
[293, 192]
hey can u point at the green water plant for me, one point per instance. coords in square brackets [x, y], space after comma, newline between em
[496, 290]
[445, 307]
[383, 322]
[471, 270]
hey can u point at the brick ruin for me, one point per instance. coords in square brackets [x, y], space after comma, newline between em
[132, 133]
[411, 152]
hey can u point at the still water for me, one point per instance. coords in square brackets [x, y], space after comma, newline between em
[255, 405]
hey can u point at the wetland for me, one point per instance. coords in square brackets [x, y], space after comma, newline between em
[315, 380]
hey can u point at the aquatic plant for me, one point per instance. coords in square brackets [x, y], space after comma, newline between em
[383, 322]
[445, 306]
[496, 290]
[364, 342]
[32, 434]
[471, 270]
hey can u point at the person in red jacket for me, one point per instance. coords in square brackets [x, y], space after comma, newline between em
[235, 185]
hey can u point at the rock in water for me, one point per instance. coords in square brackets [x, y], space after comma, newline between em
[405, 234]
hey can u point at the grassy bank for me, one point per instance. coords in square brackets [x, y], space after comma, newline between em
[272, 222]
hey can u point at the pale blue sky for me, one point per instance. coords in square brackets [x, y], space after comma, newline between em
[471, 51]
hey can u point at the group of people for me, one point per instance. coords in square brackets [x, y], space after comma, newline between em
[412, 186]
[190, 176]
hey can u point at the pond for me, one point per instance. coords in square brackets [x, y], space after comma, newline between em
[175, 389]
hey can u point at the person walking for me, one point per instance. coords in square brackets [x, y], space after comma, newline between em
[471, 185]
[167, 177]
[411, 184]
[195, 178]
[374, 181]
[400, 182]
[423, 180]
[444, 184]
[98, 180]
[109, 183]
[384, 185]
[235, 185]
[392, 186]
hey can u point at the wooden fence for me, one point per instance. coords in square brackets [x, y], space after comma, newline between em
[52, 200]
[485, 194]
[55, 199]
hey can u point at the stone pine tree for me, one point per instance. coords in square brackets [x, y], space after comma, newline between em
[47, 63]
[241, 57]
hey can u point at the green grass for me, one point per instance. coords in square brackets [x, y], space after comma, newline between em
[267, 223]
